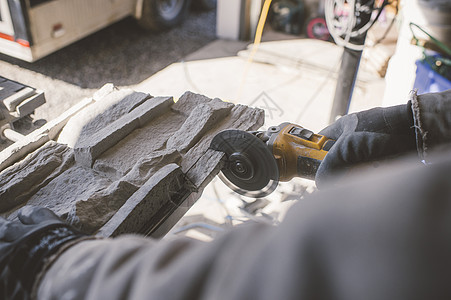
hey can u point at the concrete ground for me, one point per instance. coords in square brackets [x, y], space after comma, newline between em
[293, 80]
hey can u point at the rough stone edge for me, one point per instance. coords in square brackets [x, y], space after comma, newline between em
[123, 218]
[116, 131]
[206, 168]
[39, 137]
[34, 186]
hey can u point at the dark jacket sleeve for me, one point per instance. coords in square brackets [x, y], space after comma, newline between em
[386, 235]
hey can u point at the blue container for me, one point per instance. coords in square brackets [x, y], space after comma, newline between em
[429, 81]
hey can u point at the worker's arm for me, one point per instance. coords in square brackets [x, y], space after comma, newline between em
[385, 236]
[424, 123]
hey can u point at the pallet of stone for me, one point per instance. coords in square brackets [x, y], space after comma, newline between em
[124, 162]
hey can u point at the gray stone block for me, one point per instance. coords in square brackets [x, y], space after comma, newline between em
[241, 117]
[92, 214]
[88, 149]
[205, 169]
[142, 142]
[20, 181]
[189, 100]
[74, 185]
[201, 119]
[109, 107]
[149, 165]
[150, 204]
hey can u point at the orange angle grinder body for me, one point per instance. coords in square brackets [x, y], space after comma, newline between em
[298, 151]
[256, 161]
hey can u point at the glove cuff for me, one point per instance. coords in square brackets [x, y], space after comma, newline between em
[432, 121]
[26, 257]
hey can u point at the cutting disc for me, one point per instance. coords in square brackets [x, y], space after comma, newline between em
[250, 167]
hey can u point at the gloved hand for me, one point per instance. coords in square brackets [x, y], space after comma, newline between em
[367, 136]
[25, 244]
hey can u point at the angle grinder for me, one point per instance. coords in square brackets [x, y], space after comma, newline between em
[256, 161]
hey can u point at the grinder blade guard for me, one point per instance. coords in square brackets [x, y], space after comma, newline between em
[250, 169]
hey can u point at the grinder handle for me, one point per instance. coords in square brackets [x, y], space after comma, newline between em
[310, 153]
[300, 152]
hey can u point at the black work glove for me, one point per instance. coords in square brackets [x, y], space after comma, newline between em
[25, 244]
[367, 136]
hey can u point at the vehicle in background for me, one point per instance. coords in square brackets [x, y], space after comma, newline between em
[32, 29]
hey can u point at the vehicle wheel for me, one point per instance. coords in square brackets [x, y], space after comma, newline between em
[163, 14]
[204, 4]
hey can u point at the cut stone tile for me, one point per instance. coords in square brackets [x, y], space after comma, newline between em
[241, 117]
[189, 100]
[150, 204]
[106, 110]
[8, 87]
[205, 169]
[21, 148]
[201, 119]
[142, 142]
[20, 181]
[92, 214]
[148, 166]
[88, 149]
[74, 185]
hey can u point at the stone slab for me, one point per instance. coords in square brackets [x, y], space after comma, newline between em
[201, 119]
[241, 117]
[205, 169]
[74, 185]
[163, 189]
[142, 142]
[88, 149]
[92, 214]
[20, 181]
[109, 106]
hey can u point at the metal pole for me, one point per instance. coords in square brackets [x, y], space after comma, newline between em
[345, 83]
[350, 65]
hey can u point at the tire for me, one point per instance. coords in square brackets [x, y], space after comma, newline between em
[204, 4]
[160, 15]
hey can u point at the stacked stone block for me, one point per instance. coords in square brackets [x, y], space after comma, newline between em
[125, 163]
